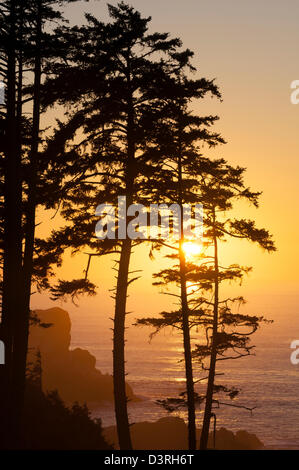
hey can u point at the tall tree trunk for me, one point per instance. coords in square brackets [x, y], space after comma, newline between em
[22, 329]
[119, 376]
[12, 269]
[187, 353]
[185, 309]
[212, 370]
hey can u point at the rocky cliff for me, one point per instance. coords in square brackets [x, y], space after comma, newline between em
[71, 372]
[172, 433]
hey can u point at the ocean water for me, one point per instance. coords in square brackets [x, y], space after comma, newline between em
[268, 381]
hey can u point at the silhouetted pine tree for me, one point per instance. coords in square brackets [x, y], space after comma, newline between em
[218, 185]
[11, 25]
[219, 193]
[118, 91]
[23, 47]
[184, 135]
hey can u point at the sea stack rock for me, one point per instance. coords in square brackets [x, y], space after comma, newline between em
[71, 372]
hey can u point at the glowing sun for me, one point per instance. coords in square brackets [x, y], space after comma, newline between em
[192, 248]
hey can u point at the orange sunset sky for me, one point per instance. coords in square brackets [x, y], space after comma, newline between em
[251, 49]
